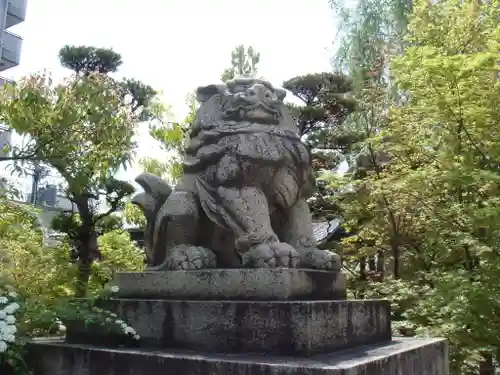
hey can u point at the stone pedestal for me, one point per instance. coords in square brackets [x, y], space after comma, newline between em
[245, 322]
[233, 284]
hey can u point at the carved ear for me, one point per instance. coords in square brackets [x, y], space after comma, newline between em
[280, 94]
[206, 92]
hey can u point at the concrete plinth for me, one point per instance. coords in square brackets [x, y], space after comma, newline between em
[278, 327]
[241, 322]
[233, 284]
[400, 357]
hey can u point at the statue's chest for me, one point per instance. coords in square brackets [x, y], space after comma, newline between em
[262, 148]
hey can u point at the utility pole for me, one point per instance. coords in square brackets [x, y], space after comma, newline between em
[39, 172]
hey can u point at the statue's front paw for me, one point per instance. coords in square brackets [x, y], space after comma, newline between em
[186, 257]
[272, 255]
[321, 259]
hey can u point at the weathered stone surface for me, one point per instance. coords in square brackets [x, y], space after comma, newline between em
[233, 284]
[242, 199]
[278, 327]
[400, 357]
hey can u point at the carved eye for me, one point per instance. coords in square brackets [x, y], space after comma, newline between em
[268, 94]
[251, 92]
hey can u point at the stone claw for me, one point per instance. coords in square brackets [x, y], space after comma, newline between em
[321, 259]
[274, 255]
[186, 257]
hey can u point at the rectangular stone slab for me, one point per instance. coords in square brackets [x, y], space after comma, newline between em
[233, 284]
[277, 327]
[402, 356]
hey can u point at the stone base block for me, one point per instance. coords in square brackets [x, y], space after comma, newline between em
[279, 327]
[399, 357]
[233, 284]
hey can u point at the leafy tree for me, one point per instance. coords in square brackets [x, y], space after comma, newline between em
[430, 209]
[43, 278]
[244, 63]
[119, 253]
[451, 80]
[371, 34]
[86, 60]
[325, 105]
[139, 100]
[82, 128]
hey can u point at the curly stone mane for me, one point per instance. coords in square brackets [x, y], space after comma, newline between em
[222, 128]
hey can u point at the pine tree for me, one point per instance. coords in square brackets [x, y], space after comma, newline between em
[244, 63]
[325, 106]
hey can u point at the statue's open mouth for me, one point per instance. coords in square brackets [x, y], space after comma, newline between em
[260, 113]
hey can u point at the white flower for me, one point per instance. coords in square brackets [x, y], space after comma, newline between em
[10, 329]
[3, 314]
[10, 338]
[129, 331]
[113, 315]
[137, 337]
[2, 325]
[108, 320]
[62, 328]
[13, 294]
[12, 308]
[114, 289]
[120, 322]
[3, 346]
[124, 326]
[4, 300]
[10, 319]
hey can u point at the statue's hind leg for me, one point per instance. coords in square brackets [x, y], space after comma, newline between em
[176, 235]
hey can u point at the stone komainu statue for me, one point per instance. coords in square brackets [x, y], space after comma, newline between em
[242, 199]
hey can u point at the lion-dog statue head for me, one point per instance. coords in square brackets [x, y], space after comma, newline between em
[247, 118]
[241, 100]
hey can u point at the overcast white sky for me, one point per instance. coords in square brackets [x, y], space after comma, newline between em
[176, 46]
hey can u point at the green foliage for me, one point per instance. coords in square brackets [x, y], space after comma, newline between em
[41, 280]
[244, 63]
[86, 59]
[83, 128]
[424, 202]
[326, 103]
[173, 137]
[134, 216]
[84, 317]
[142, 98]
[86, 115]
[70, 224]
[118, 253]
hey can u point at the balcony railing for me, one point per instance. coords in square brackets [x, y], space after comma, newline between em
[5, 81]
[11, 50]
[16, 12]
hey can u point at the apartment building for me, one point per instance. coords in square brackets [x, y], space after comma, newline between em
[12, 12]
